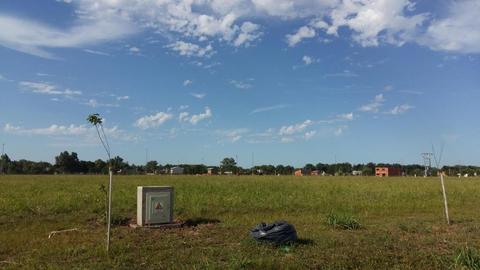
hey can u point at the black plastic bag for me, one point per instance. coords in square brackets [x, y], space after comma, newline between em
[279, 232]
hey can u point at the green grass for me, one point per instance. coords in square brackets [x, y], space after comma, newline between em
[343, 221]
[402, 223]
[468, 258]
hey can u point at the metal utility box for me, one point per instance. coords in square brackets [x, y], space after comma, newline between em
[154, 205]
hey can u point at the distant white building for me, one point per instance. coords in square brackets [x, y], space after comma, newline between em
[176, 170]
[356, 173]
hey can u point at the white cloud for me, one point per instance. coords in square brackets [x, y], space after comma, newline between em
[183, 107]
[346, 74]
[292, 129]
[345, 116]
[269, 108]
[400, 109]
[375, 21]
[187, 82]
[459, 32]
[134, 50]
[68, 131]
[370, 23]
[152, 121]
[302, 33]
[308, 135]
[198, 95]
[287, 139]
[233, 135]
[339, 130]
[190, 49]
[183, 117]
[374, 105]
[123, 98]
[240, 84]
[96, 52]
[194, 119]
[48, 89]
[95, 104]
[40, 74]
[248, 33]
[307, 60]
[36, 38]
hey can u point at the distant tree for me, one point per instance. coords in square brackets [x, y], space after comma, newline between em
[67, 163]
[151, 166]
[228, 164]
[118, 165]
[4, 163]
[309, 168]
[280, 169]
[100, 166]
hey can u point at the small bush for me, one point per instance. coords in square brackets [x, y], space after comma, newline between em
[344, 222]
[468, 258]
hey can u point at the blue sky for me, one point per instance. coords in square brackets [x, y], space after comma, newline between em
[195, 81]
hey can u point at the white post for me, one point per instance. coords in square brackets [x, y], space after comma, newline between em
[444, 198]
[109, 207]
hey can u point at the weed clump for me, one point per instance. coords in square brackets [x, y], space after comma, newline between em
[468, 258]
[343, 222]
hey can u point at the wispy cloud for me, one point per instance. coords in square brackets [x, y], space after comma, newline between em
[96, 52]
[296, 128]
[194, 119]
[232, 135]
[345, 116]
[269, 108]
[198, 95]
[307, 60]
[340, 130]
[191, 49]
[95, 104]
[56, 130]
[400, 109]
[33, 37]
[123, 97]
[310, 134]
[187, 82]
[374, 105]
[48, 89]
[134, 50]
[345, 74]
[240, 84]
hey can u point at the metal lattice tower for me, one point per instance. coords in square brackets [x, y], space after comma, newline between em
[427, 162]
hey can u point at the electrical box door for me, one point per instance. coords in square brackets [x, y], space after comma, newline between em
[158, 207]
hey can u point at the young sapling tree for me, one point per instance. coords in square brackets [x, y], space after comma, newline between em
[97, 122]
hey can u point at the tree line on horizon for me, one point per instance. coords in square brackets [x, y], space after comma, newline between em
[69, 163]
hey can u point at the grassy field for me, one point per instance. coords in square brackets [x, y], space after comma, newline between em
[401, 222]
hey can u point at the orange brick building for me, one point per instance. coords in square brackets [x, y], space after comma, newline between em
[387, 171]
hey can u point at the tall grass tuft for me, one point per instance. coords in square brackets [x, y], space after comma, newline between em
[468, 258]
[343, 221]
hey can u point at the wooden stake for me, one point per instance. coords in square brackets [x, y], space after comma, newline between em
[444, 198]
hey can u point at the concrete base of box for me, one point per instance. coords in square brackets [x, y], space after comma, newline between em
[158, 226]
